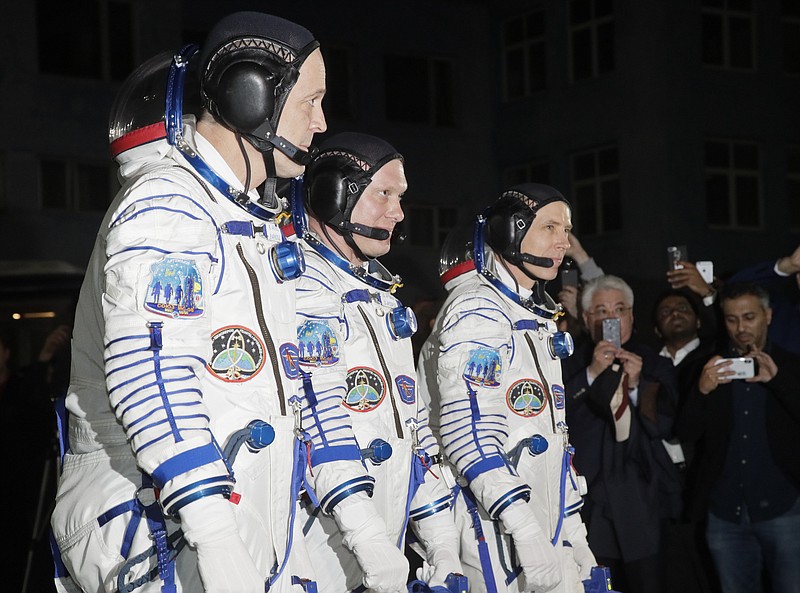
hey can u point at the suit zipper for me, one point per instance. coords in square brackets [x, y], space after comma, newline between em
[397, 423]
[544, 381]
[273, 356]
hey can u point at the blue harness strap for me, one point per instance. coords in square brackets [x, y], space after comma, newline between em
[300, 459]
[483, 548]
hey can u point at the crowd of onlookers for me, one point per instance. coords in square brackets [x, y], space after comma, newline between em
[693, 485]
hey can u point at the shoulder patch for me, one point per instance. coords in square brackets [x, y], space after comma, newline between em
[526, 397]
[559, 396]
[237, 354]
[484, 367]
[175, 289]
[365, 389]
[318, 344]
[407, 388]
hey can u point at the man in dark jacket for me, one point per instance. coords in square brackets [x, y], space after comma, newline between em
[748, 433]
[621, 399]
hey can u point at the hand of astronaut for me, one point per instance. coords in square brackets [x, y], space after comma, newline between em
[384, 565]
[575, 534]
[224, 563]
[438, 536]
[536, 555]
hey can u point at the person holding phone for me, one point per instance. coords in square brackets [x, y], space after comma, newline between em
[621, 399]
[747, 431]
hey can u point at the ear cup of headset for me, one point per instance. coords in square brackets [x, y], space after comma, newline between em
[501, 225]
[241, 88]
[327, 183]
[245, 96]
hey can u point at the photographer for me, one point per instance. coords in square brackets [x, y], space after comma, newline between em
[748, 477]
[620, 400]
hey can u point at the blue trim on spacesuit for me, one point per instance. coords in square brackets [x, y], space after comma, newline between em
[184, 462]
[483, 466]
[336, 495]
[429, 509]
[522, 492]
[335, 453]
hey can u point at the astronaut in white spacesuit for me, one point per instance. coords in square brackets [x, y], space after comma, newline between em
[183, 465]
[491, 371]
[371, 470]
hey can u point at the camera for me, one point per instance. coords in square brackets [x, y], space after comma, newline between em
[743, 366]
[676, 253]
[611, 331]
[706, 270]
[569, 277]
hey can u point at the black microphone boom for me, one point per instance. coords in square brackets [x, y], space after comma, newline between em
[534, 260]
[365, 231]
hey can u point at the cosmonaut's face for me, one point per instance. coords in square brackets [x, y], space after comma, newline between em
[379, 207]
[547, 237]
[302, 116]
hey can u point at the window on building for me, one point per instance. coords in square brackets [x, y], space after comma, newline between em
[428, 226]
[88, 39]
[420, 90]
[728, 34]
[791, 36]
[597, 204]
[339, 82]
[525, 55]
[76, 187]
[538, 172]
[793, 186]
[733, 198]
[591, 38]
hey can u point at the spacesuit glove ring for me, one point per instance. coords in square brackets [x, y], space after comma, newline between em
[536, 555]
[439, 538]
[224, 563]
[384, 565]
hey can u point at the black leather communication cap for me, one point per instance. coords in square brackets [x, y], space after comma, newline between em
[367, 152]
[293, 41]
[534, 195]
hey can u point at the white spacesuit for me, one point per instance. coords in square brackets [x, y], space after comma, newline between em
[491, 371]
[371, 470]
[183, 376]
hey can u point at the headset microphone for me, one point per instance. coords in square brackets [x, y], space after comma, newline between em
[534, 260]
[365, 231]
[264, 134]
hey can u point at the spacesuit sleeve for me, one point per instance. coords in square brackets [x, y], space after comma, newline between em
[336, 470]
[159, 286]
[475, 347]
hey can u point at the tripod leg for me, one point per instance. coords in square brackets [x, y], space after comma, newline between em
[40, 521]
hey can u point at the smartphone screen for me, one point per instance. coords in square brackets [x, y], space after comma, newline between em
[676, 253]
[611, 331]
[569, 277]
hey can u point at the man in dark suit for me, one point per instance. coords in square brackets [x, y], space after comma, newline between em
[621, 400]
[748, 434]
[686, 327]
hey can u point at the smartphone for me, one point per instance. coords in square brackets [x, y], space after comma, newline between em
[611, 331]
[706, 269]
[744, 366]
[676, 253]
[569, 277]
